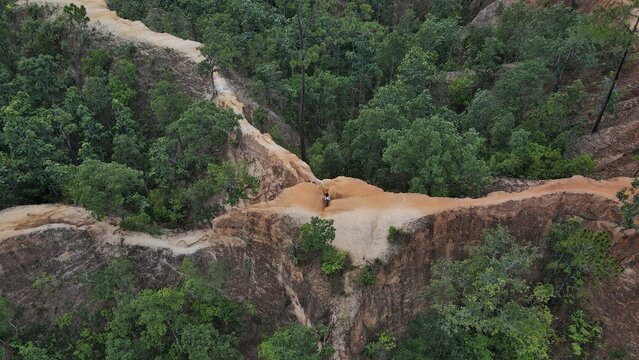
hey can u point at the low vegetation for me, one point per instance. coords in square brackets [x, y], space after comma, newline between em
[397, 235]
[381, 347]
[366, 276]
[315, 240]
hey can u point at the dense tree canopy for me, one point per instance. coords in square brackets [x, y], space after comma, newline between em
[78, 125]
[514, 90]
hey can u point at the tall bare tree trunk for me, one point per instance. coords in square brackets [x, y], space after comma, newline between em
[300, 31]
[614, 80]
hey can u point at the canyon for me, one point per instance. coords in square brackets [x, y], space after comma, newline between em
[253, 240]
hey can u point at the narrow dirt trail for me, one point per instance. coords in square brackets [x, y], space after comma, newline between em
[362, 212]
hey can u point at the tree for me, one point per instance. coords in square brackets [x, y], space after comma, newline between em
[394, 46]
[315, 236]
[167, 102]
[229, 178]
[460, 91]
[481, 113]
[390, 108]
[128, 144]
[622, 13]
[418, 68]
[122, 82]
[488, 59]
[106, 188]
[191, 143]
[522, 87]
[629, 203]
[111, 281]
[530, 160]
[442, 36]
[294, 342]
[446, 8]
[8, 330]
[40, 78]
[326, 161]
[32, 145]
[436, 158]
[303, 10]
[578, 255]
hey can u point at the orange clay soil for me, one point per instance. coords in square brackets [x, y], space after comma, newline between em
[362, 213]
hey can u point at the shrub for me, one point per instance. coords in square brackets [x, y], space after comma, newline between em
[46, 282]
[581, 333]
[381, 347]
[315, 236]
[397, 235]
[334, 261]
[366, 276]
[141, 222]
[629, 203]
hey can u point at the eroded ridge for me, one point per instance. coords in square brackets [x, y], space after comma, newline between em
[362, 212]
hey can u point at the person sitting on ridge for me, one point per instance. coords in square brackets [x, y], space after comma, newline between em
[327, 199]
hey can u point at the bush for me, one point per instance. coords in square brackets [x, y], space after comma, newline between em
[629, 203]
[46, 282]
[315, 236]
[141, 222]
[581, 333]
[366, 276]
[334, 261]
[397, 235]
[381, 347]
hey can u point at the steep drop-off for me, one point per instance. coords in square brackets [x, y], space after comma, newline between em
[253, 241]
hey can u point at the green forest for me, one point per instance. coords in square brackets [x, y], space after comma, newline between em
[411, 98]
[79, 126]
[382, 85]
[419, 101]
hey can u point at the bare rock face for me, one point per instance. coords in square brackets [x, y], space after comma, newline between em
[488, 15]
[59, 245]
[276, 167]
[398, 293]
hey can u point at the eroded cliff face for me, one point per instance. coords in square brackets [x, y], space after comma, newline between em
[253, 242]
[401, 283]
[47, 251]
